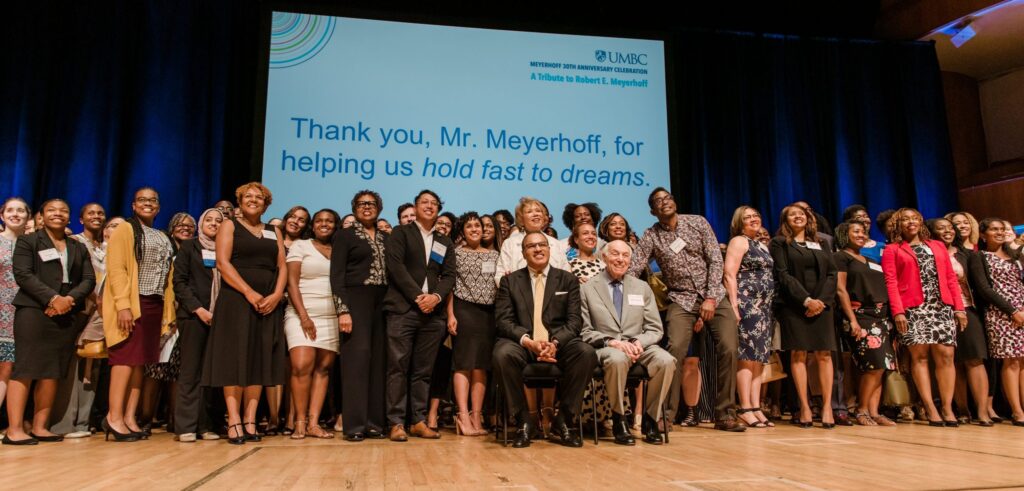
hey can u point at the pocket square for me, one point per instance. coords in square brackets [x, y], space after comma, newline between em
[560, 293]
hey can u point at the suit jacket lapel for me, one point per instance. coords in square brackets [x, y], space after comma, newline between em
[549, 287]
[415, 244]
[602, 291]
[525, 285]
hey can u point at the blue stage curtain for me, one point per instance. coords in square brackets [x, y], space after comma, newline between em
[101, 99]
[766, 120]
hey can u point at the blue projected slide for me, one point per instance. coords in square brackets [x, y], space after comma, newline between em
[480, 116]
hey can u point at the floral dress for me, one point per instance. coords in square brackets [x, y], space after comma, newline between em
[8, 289]
[754, 294]
[1004, 340]
[932, 321]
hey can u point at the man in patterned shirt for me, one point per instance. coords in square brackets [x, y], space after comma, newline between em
[687, 252]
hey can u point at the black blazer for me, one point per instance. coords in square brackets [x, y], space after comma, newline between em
[513, 305]
[980, 278]
[39, 281]
[192, 280]
[802, 273]
[351, 258]
[407, 268]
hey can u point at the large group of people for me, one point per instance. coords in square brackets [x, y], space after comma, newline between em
[241, 327]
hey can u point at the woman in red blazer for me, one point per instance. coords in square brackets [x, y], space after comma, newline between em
[924, 295]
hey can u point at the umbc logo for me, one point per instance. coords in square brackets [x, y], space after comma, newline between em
[619, 58]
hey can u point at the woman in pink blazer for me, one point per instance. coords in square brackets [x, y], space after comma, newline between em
[924, 295]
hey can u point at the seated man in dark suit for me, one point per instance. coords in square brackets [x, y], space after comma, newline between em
[620, 319]
[537, 310]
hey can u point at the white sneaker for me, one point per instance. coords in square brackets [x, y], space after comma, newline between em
[79, 434]
[209, 435]
[186, 437]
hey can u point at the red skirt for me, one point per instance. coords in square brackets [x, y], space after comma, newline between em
[143, 344]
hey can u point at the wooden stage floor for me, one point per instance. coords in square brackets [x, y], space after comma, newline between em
[909, 456]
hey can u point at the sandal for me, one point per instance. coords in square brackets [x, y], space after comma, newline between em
[759, 414]
[881, 420]
[756, 423]
[300, 430]
[691, 417]
[864, 419]
[316, 431]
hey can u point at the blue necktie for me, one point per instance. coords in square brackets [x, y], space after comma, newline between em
[617, 297]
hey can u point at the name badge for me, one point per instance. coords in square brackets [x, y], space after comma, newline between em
[488, 267]
[677, 245]
[875, 266]
[814, 246]
[209, 258]
[636, 300]
[269, 234]
[48, 255]
[437, 251]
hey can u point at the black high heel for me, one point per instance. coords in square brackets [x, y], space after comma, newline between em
[251, 437]
[118, 437]
[237, 440]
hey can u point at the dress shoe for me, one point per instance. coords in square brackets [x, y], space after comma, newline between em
[620, 431]
[398, 434]
[842, 418]
[79, 434]
[28, 441]
[355, 437]
[131, 436]
[375, 434]
[522, 438]
[421, 430]
[566, 437]
[255, 435]
[209, 435]
[49, 439]
[186, 437]
[649, 427]
[729, 423]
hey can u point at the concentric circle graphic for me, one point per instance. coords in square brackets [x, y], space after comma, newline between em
[297, 38]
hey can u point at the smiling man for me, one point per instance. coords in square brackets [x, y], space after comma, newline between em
[421, 270]
[537, 310]
[687, 252]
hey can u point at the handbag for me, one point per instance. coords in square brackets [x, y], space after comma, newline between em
[660, 291]
[773, 370]
[92, 343]
[895, 391]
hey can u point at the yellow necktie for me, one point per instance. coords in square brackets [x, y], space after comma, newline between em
[540, 333]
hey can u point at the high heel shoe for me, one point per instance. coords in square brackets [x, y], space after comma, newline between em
[118, 437]
[255, 435]
[240, 432]
[472, 419]
[464, 428]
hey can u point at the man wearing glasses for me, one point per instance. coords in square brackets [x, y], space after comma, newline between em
[687, 252]
[421, 270]
[537, 311]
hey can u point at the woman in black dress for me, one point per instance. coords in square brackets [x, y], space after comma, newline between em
[246, 349]
[971, 345]
[54, 277]
[471, 322]
[860, 288]
[359, 282]
[807, 289]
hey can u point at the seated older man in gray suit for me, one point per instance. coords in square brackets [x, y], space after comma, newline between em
[620, 320]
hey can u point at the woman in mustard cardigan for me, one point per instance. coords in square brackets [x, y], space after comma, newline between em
[137, 298]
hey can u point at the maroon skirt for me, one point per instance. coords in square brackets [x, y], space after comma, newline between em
[143, 344]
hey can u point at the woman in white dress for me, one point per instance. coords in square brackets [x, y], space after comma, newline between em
[311, 323]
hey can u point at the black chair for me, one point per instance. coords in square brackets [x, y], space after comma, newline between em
[537, 376]
[637, 375]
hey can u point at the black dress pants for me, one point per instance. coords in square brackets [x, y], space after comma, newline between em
[576, 362]
[413, 339]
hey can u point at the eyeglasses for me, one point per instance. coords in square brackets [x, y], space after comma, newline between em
[366, 204]
[184, 226]
[536, 245]
[663, 199]
[145, 201]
